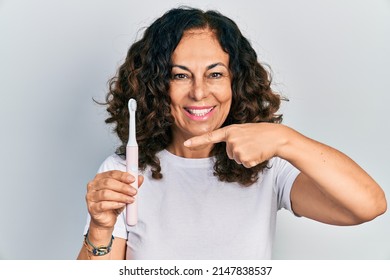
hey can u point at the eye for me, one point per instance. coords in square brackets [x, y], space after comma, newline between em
[215, 75]
[179, 76]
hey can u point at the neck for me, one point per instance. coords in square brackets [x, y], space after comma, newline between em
[177, 148]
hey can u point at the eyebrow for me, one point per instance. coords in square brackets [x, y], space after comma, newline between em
[208, 67]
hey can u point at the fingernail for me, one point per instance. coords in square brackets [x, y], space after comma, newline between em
[187, 143]
[130, 178]
[133, 191]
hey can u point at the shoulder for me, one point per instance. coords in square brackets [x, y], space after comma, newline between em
[113, 162]
[281, 172]
[278, 166]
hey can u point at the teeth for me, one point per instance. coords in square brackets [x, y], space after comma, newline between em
[199, 112]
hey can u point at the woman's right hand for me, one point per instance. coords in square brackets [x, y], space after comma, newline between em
[107, 195]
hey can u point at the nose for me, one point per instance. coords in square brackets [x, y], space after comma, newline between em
[199, 89]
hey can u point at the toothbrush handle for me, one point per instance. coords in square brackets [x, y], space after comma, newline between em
[132, 168]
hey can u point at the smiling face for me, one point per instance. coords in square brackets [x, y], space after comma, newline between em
[200, 87]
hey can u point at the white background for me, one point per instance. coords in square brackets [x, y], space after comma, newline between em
[330, 58]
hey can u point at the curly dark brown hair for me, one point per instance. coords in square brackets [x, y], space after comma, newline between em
[145, 76]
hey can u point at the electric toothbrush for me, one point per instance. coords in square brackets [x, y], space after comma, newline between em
[132, 163]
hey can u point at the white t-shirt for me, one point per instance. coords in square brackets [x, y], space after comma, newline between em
[189, 214]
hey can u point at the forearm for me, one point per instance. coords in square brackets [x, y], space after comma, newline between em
[331, 186]
[337, 176]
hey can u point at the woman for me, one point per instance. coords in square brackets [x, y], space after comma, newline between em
[217, 163]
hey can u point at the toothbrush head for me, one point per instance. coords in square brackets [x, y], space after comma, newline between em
[132, 105]
[132, 123]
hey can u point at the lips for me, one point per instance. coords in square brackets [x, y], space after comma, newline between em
[199, 113]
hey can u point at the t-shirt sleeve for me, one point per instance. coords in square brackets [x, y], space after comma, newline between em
[285, 175]
[113, 162]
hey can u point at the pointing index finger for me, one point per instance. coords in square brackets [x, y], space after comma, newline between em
[211, 137]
